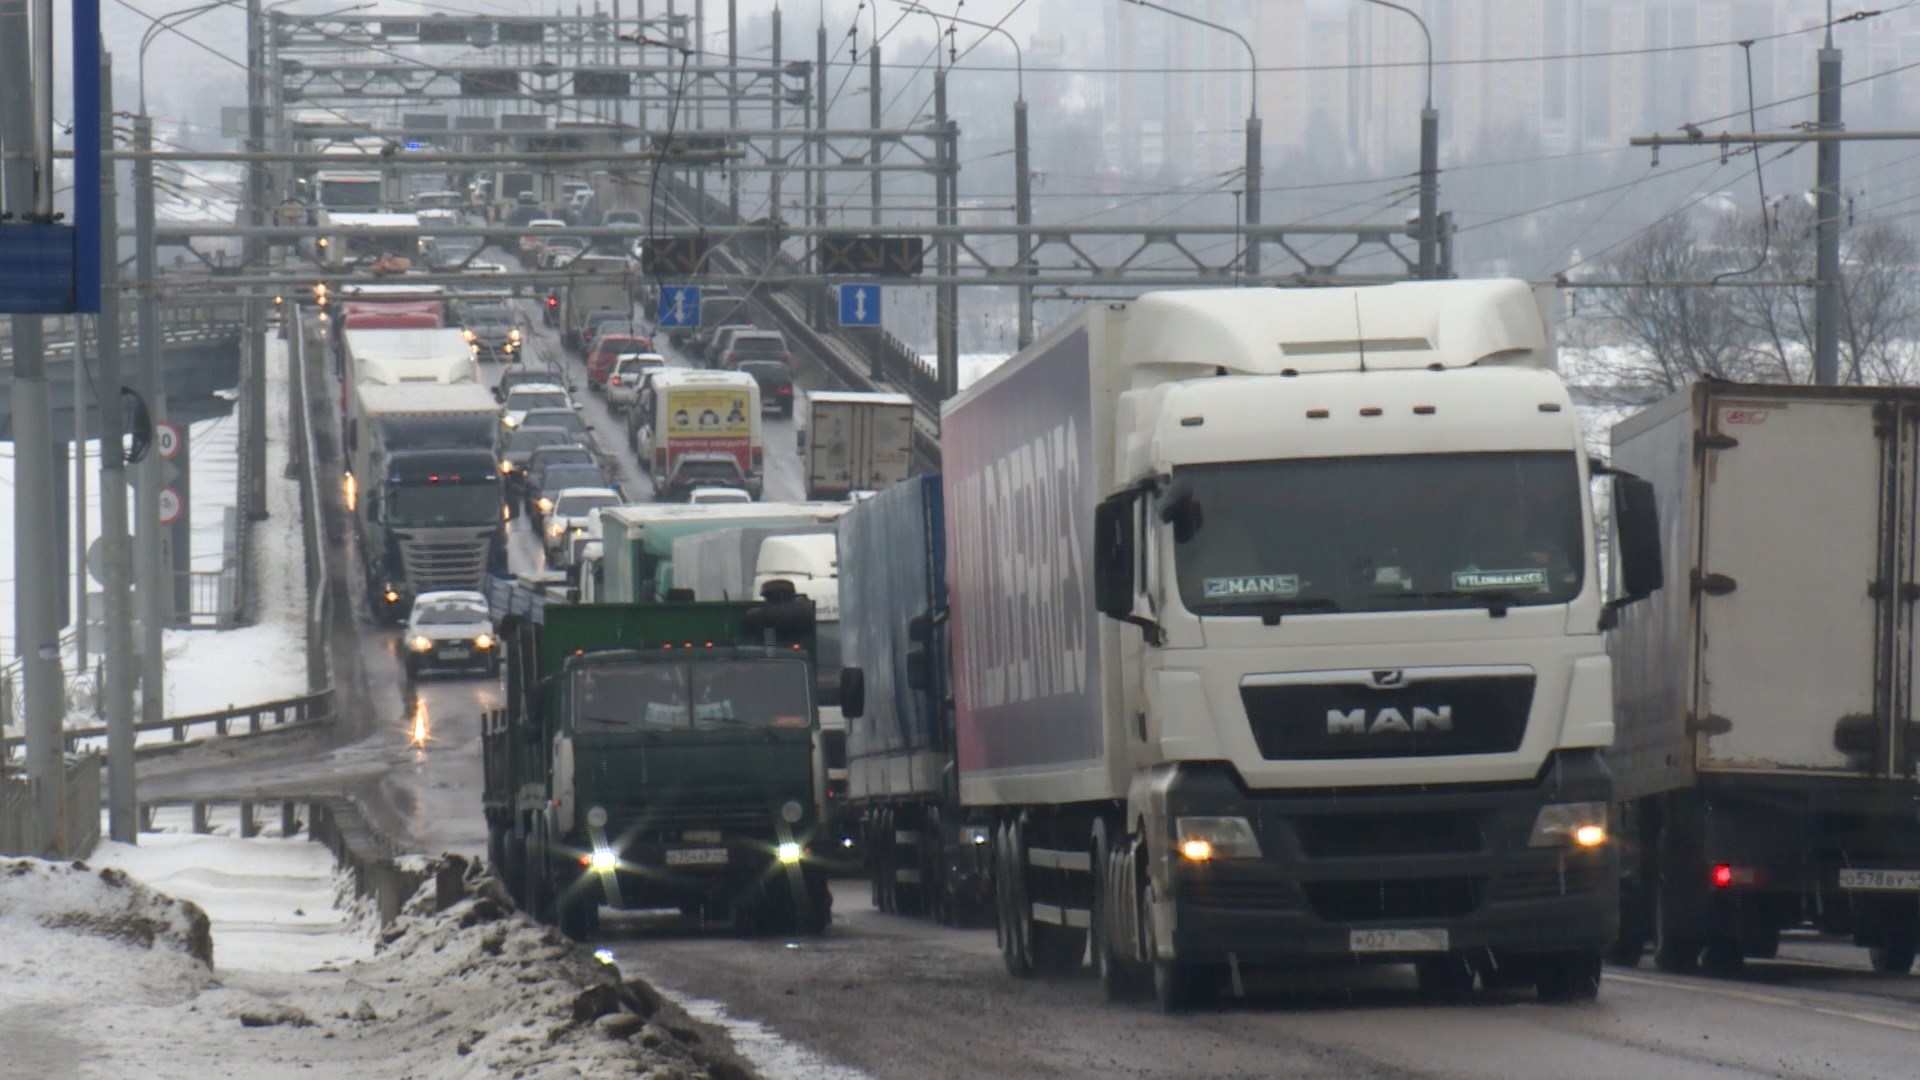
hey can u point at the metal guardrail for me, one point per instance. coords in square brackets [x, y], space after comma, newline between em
[182, 321]
[303, 461]
[235, 721]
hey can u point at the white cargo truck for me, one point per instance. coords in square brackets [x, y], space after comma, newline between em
[1276, 636]
[1765, 759]
[854, 441]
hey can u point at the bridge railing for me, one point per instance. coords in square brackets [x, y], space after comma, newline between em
[196, 319]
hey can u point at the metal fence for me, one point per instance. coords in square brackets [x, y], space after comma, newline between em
[79, 828]
[303, 461]
[182, 321]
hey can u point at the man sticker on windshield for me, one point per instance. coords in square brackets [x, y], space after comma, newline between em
[1500, 579]
[1252, 587]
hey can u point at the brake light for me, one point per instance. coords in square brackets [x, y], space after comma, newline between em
[786, 391]
[553, 301]
[613, 380]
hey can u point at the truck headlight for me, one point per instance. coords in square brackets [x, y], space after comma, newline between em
[788, 852]
[513, 335]
[603, 860]
[556, 529]
[483, 642]
[1583, 824]
[1202, 839]
[506, 466]
[545, 504]
[421, 643]
[791, 811]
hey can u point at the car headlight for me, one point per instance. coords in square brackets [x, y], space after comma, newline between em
[470, 335]
[556, 529]
[513, 335]
[421, 643]
[545, 504]
[506, 467]
[1582, 824]
[483, 642]
[788, 852]
[1202, 839]
[792, 811]
[510, 421]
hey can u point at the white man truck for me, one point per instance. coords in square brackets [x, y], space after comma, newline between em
[1276, 636]
[854, 442]
[1766, 757]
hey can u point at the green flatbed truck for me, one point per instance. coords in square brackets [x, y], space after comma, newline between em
[659, 756]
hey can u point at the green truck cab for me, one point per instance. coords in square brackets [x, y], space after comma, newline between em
[659, 756]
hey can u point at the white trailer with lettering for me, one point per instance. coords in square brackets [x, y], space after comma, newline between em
[1276, 635]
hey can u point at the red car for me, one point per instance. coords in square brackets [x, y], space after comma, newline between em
[606, 349]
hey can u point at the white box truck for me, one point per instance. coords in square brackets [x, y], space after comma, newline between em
[1275, 623]
[853, 441]
[1765, 759]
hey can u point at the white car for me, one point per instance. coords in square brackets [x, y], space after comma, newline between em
[450, 630]
[527, 396]
[704, 496]
[568, 518]
[623, 381]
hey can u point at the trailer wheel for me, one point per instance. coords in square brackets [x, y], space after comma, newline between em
[1891, 961]
[538, 886]
[1565, 978]
[1899, 933]
[1010, 903]
[513, 866]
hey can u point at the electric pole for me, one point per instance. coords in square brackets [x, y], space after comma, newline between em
[115, 556]
[151, 567]
[1826, 289]
[27, 68]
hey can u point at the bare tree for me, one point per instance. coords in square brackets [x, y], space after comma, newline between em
[1668, 336]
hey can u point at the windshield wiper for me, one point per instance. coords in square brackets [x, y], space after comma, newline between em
[1271, 611]
[1496, 601]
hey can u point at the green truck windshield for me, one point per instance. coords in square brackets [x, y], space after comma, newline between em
[702, 695]
[1377, 533]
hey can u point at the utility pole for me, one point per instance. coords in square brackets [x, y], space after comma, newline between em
[1429, 191]
[1023, 215]
[81, 365]
[151, 567]
[253, 373]
[946, 297]
[733, 100]
[1826, 290]
[115, 554]
[26, 66]
[816, 182]
[773, 182]
[873, 120]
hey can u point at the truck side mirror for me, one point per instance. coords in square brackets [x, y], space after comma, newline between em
[1113, 558]
[919, 673]
[853, 692]
[1636, 544]
[920, 628]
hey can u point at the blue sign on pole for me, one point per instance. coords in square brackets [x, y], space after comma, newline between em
[679, 306]
[52, 268]
[859, 305]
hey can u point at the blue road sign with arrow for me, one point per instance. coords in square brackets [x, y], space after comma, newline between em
[679, 306]
[859, 305]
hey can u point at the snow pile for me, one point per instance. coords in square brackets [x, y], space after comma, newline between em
[516, 998]
[102, 976]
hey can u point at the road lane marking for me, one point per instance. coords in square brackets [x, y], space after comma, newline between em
[1880, 1019]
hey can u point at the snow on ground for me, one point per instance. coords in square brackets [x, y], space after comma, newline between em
[209, 670]
[105, 975]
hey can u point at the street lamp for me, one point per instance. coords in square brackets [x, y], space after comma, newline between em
[1253, 123]
[1022, 174]
[1429, 155]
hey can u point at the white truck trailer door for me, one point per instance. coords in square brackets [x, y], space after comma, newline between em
[1792, 519]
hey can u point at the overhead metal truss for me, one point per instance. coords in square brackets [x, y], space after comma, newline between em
[547, 81]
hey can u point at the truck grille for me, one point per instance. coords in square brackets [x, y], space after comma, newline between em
[1446, 832]
[671, 821]
[1415, 717]
[1549, 881]
[1240, 895]
[1394, 898]
[444, 564]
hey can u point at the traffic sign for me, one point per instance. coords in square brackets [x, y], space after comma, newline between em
[97, 561]
[167, 437]
[860, 305]
[679, 306]
[169, 506]
[673, 256]
[858, 253]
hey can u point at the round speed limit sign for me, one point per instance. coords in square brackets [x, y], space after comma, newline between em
[166, 438]
[169, 506]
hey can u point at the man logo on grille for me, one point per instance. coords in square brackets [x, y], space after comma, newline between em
[1390, 720]
[1387, 679]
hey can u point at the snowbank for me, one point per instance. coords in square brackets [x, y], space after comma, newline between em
[103, 976]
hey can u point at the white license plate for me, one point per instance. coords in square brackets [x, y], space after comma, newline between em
[1881, 880]
[454, 652]
[697, 857]
[1399, 941]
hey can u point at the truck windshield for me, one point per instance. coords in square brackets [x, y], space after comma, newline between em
[1377, 533]
[436, 432]
[706, 695]
[423, 506]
